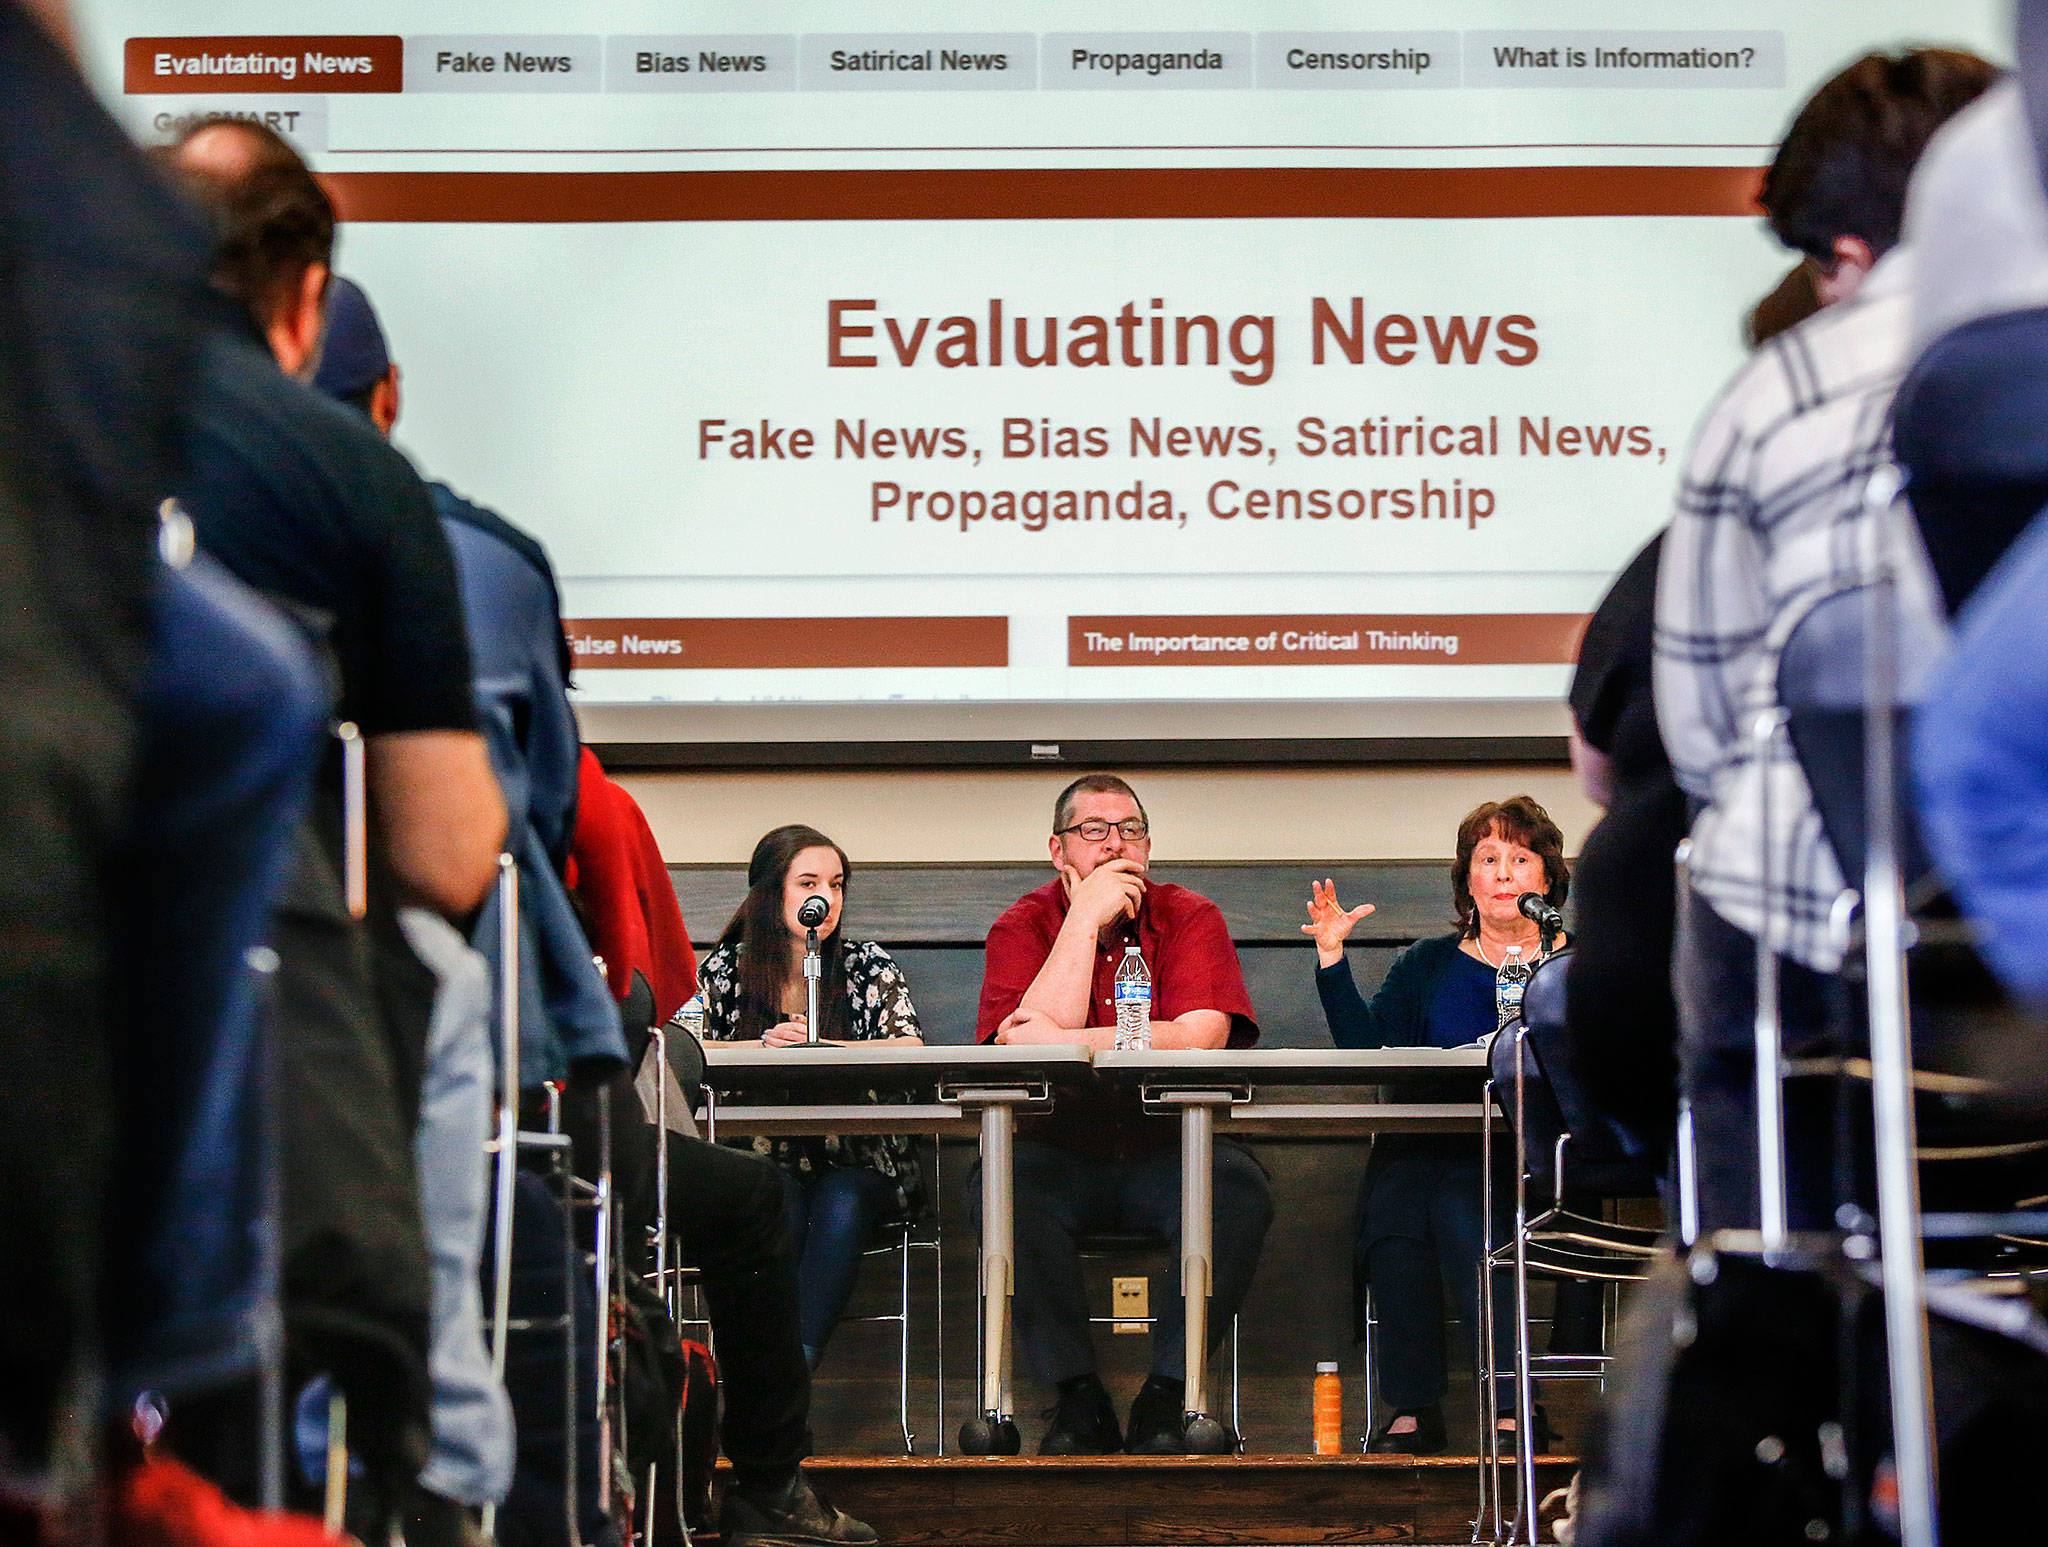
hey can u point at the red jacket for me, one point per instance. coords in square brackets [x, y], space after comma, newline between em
[616, 871]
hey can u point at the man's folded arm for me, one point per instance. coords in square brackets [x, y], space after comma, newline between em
[1193, 1029]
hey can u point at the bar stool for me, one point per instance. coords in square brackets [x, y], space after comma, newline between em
[904, 1236]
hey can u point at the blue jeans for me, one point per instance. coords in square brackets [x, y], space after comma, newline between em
[472, 1417]
[1717, 1072]
[834, 1215]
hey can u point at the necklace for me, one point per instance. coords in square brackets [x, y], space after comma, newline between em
[1479, 942]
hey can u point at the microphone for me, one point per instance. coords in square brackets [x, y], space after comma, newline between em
[810, 913]
[1537, 909]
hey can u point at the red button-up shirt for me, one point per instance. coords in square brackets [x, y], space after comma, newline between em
[1187, 949]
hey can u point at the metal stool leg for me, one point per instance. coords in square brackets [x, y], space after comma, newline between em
[903, 1352]
[506, 1145]
[938, 1299]
[992, 1430]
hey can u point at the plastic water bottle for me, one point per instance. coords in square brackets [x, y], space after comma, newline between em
[1328, 1411]
[692, 1016]
[1509, 980]
[1133, 1003]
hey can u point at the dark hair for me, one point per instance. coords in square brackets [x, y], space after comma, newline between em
[272, 219]
[1091, 784]
[761, 944]
[1843, 166]
[1522, 821]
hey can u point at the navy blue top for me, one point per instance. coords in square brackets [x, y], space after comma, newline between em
[1461, 1011]
[567, 1016]
[1434, 996]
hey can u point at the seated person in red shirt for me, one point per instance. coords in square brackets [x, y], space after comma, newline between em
[1098, 1163]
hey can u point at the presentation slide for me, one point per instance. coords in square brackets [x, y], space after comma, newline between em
[1066, 354]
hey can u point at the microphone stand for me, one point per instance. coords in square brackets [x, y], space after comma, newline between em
[812, 968]
[815, 911]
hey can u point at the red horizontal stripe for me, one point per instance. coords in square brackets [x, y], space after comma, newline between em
[752, 644]
[1133, 193]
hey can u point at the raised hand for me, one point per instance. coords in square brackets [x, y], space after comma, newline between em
[1330, 922]
[1112, 890]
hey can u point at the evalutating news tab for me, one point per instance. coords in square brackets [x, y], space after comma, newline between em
[1105, 351]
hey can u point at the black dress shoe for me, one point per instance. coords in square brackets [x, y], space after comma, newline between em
[1541, 1438]
[1083, 1421]
[1158, 1413]
[1425, 1439]
[434, 1521]
[791, 1516]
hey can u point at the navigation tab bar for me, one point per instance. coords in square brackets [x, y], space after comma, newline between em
[918, 61]
[552, 62]
[700, 62]
[1357, 61]
[960, 61]
[1140, 61]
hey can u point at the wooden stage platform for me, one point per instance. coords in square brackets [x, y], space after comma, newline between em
[1163, 1501]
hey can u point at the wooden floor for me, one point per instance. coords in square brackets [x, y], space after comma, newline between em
[1162, 1501]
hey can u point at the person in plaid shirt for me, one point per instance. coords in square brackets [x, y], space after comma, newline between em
[1773, 511]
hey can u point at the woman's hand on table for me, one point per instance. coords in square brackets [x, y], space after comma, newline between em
[788, 1034]
[1330, 922]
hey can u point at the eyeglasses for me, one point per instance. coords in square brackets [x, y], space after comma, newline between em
[1135, 830]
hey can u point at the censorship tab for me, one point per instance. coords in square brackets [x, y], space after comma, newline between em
[302, 120]
[913, 61]
[263, 64]
[521, 62]
[725, 62]
[1146, 61]
[1640, 59]
[1332, 639]
[1357, 61]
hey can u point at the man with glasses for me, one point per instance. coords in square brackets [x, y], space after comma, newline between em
[1097, 1162]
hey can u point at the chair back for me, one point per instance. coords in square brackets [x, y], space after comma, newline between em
[1970, 431]
[1554, 1102]
[686, 1059]
[1821, 686]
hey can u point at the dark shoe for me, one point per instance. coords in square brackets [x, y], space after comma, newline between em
[1542, 1438]
[791, 1516]
[1426, 1439]
[1083, 1422]
[1158, 1418]
[434, 1521]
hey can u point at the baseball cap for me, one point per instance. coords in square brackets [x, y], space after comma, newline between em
[353, 356]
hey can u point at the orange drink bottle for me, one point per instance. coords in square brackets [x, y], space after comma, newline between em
[1329, 1411]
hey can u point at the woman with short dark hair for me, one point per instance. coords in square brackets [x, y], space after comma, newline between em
[1419, 1206]
[753, 986]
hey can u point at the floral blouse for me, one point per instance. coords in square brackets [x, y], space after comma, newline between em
[878, 1005]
